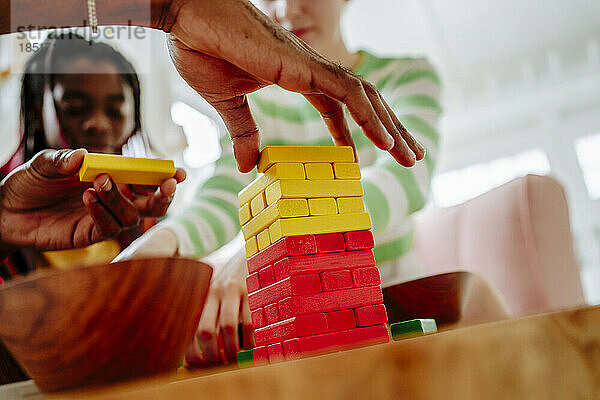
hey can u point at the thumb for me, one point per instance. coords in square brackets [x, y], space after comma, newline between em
[58, 163]
[242, 129]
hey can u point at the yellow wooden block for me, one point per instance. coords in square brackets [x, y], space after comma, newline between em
[322, 206]
[350, 205]
[318, 171]
[97, 253]
[130, 170]
[319, 224]
[293, 188]
[284, 208]
[244, 213]
[251, 247]
[277, 154]
[257, 204]
[277, 171]
[346, 170]
[263, 240]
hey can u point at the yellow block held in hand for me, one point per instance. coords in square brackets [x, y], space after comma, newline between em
[130, 170]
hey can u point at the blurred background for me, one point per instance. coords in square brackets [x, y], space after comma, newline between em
[521, 86]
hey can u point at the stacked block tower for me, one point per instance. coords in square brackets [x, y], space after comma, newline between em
[313, 286]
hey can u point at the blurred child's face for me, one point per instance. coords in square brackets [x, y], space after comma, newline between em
[317, 22]
[95, 110]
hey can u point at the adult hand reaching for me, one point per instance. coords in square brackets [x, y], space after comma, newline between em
[44, 205]
[226, 49]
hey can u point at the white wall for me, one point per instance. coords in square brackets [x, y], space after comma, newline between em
[517, 76]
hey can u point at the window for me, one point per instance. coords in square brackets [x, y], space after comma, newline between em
[588, 153]
[201, 132]
[457, 186]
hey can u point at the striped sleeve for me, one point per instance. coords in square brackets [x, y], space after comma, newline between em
[393, 192]
[211, 219]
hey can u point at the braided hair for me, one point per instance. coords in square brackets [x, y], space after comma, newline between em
[40, 73]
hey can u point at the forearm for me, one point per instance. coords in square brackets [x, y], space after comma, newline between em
[26, 15]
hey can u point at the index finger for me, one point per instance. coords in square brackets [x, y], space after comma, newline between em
[332, 113]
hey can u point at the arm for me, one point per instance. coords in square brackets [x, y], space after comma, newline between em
[393, 193]
[226, 49]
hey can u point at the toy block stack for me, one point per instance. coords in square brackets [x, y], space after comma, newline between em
[313, 286]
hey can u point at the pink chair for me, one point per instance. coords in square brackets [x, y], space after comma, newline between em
[516, 236]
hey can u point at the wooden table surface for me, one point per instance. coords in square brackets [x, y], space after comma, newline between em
[549, 356]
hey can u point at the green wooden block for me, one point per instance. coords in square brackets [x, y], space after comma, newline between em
[412, 328]
[245, 358]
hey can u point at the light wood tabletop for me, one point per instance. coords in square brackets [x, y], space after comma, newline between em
[549, 356]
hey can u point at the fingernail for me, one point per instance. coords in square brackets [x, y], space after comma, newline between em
[106, 186]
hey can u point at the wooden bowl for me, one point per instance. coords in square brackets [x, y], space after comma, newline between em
[453, 299]
[103, 323]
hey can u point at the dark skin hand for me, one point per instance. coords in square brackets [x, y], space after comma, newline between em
[224, 58]
[226, 49]
[44, 205]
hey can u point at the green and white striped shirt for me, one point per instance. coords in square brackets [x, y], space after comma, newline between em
[392, 193]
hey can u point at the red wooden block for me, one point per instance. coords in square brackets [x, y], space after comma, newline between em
[330, 301]
[305, 284]
[291, 349]
[261, 356]
[303, 325]
[316, 263]
[269, 294]
[284, 247]
[342, 340]
[271, 313]
[330, 242]
[285, 308]
[359, 240]
[258, 318]
[266, 276]
[275, 352]
[252, 283]
[336, 280]
[371, 315]
[340, 320]
[366, 277]
[294, 285]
